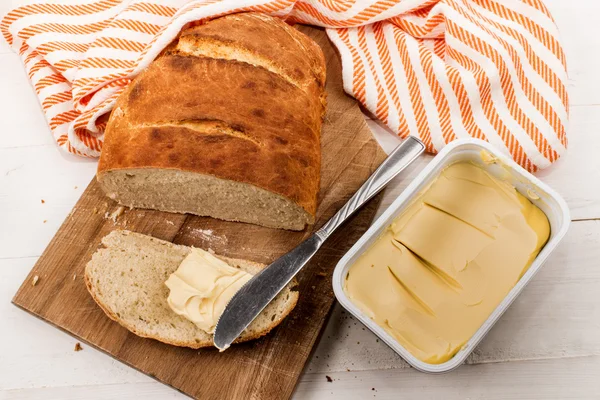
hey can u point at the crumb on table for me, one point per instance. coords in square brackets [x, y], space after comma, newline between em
[78, 347]
[328, 378]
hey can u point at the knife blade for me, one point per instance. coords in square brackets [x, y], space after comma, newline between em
[259, 291]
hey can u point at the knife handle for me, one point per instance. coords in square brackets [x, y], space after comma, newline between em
[398, 159]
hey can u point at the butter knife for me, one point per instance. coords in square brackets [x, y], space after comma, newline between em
[259, 291]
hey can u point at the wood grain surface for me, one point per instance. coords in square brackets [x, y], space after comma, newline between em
[266, 368]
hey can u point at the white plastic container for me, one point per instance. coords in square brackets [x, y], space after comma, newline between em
[549, 202]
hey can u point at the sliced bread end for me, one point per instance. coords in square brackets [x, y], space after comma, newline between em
[193, 193]
[126, 278]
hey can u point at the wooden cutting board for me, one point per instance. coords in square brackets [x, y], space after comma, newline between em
[267, 368]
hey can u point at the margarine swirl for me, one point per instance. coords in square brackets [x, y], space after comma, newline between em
[201, 288]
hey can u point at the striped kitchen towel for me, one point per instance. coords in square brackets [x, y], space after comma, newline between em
[435, 69]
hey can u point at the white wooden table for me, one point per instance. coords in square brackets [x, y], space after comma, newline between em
[546, 346]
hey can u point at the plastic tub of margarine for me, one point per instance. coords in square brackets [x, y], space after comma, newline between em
[415, 335]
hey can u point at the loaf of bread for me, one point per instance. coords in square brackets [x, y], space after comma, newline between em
[126, 277]
[224, 123]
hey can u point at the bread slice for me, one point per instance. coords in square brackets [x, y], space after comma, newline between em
[126, 278]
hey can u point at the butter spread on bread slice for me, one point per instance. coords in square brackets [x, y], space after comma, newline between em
[202, 286]
[126, 277]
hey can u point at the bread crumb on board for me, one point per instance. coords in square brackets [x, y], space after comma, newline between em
[74, 276]
[207, 235]
[115, 214]
[35, 280]
[78, 347]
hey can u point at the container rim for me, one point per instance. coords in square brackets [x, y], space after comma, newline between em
[394, 208]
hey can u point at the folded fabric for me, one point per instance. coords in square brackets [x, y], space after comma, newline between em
[435, 69]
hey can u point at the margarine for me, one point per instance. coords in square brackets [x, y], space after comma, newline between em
[201, 288]
[437, 273]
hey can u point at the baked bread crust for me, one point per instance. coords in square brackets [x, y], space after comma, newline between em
[238, 98]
